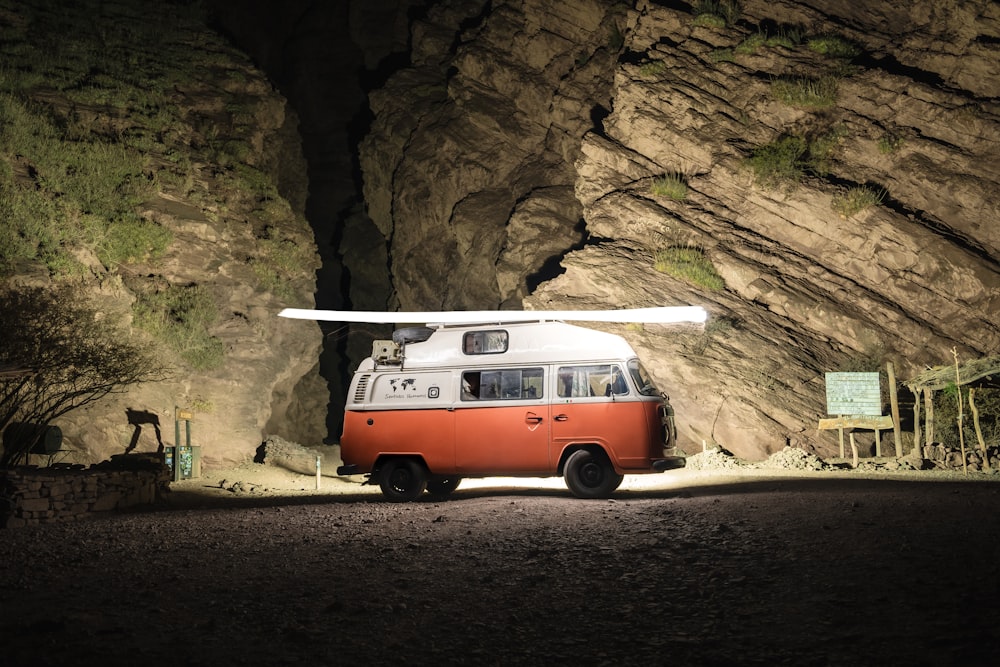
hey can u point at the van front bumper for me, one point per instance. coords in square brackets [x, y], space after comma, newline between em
[350, 469]
[669, 463]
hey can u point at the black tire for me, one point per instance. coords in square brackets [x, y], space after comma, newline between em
[402, 480]
[590, 475]
[442, 486]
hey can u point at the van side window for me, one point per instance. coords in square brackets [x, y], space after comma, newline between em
[596, 380]
[502, 385]
[484, 342]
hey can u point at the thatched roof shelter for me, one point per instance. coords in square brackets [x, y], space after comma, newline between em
[983, 372]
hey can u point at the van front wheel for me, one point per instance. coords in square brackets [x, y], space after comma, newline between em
[590, 475]
[402, 480]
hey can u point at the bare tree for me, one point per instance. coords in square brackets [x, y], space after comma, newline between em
[75, 357]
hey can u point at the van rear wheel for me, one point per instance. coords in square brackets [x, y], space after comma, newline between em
[402, 480]
[590, 475]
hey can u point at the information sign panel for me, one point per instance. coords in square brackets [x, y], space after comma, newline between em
[853, 394]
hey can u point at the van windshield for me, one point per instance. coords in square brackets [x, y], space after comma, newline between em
[642, 378]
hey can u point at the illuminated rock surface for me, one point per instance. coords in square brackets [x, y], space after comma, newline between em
[507, 154]
[471, 153]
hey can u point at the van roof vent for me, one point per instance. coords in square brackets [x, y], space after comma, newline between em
[411, 335]
[361, 389]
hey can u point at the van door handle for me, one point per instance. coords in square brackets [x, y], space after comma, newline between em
[560, 418]
[533, 419]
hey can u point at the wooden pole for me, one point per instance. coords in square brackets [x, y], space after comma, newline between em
[854, 450]
[961, 433]
[917, 431]
[894, 406]
[929, 420]
[979, 432]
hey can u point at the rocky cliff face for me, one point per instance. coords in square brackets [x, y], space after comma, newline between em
[530, 134]
[225, 178]
[826, 167]
[468, 169]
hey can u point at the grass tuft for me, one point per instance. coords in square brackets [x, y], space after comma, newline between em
[779, 161]
[722, 56]
[857, 199]
[806, 92]
[791, 157]
[690, 265]
[833, 46]
[670, 185]
[716, 13]
[889, 143]
[652, 68]
[179, 316]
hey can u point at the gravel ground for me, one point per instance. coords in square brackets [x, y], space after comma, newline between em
[256, 567]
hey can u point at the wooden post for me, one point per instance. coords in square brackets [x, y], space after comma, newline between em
[878, 444]
[841, 432]
[961, 416]
[979, 432]
[929, 419]
[917, 431]
[854, 450]
[894, 406]
[318, 472]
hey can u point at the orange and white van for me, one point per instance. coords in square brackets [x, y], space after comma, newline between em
[534, 399]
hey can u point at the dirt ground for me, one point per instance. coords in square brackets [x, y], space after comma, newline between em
[254, 566]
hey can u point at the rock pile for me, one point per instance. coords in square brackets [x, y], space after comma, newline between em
[792, 458]
[716, 458]
[950, 458]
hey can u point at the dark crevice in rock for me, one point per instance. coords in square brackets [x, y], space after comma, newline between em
[470, 23]
[592, 240]
[630, 57]
[891, 65]
[374, 79]
[552, 266]
[597, 115]
[675, 5]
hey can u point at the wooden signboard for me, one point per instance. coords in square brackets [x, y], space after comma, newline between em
[867, 422]
[856, 421]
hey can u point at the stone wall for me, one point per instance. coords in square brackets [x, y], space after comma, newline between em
[31, 495]
[950, 458]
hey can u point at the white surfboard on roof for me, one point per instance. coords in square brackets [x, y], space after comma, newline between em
[656, 315]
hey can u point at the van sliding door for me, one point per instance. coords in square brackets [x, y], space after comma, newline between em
[502, 422]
